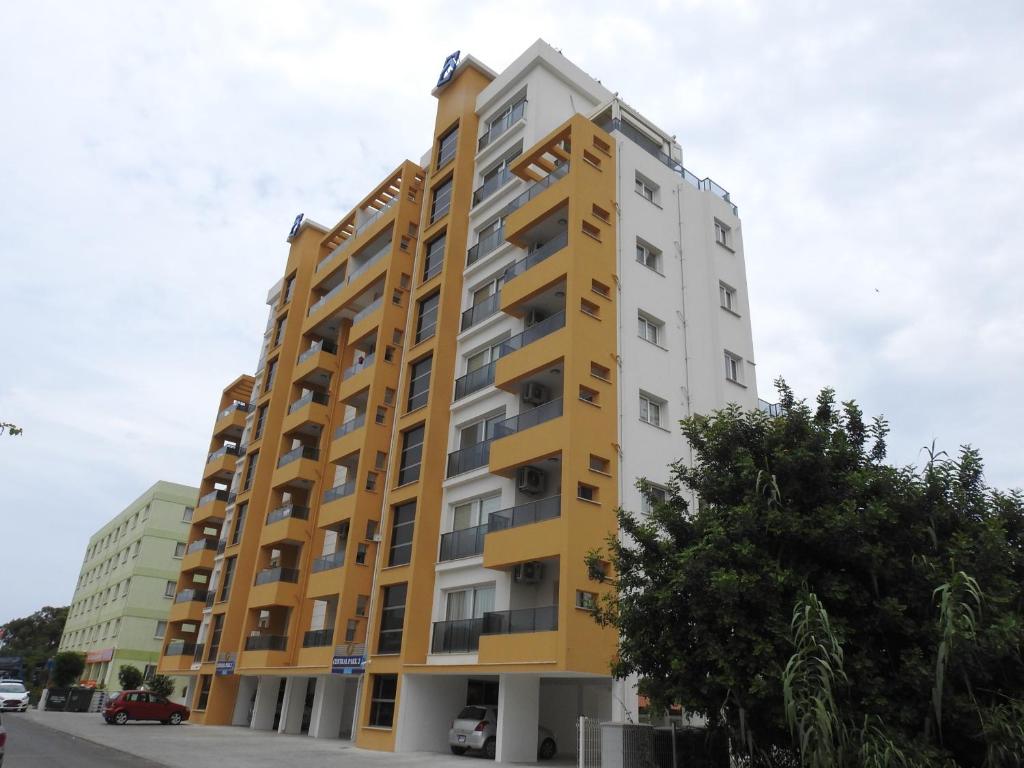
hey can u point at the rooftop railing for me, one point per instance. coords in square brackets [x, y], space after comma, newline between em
[550, 248]
[302, 452]
[524, 514]
[531, 418]
[542, 619]
[271, 575]
[456, 636]
[475, 380]
[463, 543]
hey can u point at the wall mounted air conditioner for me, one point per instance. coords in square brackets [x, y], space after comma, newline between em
[530, 480]
[528, 573]
[535, 393]
[534, 316]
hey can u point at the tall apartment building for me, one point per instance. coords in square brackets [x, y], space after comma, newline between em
[118, 615]
[459, 383]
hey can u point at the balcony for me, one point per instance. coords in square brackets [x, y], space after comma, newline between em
[316, 364]
[467, 542]
[485, 245]
[273, 575]
[468, 459]
[191, 596]
[535, 189]
[266, 643]
[201, 544]
[287, 511]
[475, 380]
[212, 506]
[533, 333]
[302, 452]
[329, 562]
[551, 247]
[320, 303]
[492, 185]
[480, 312]
[323, 345]
[200, 554]
[338, 504]
[231, 421]
[368, 310]
[458, 636]
[542, 619]
[525, 514]
[318, 638]
[347, 438]
[186, 607]
[180, 648]
[531, 418]
[311, 397]
[350, 426]
[496, 130]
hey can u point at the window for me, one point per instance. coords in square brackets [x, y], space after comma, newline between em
[261, 418]
[483, 358]
[727, 295]
[362, 601]
[586, 492]
[229, 576]
[649, 329]
[279, 330]
[382, 700]
[204, 691]
[402, 522]
[392, 619]
[653, 495]
[289, 289]
[733, 368]
[179, 549]
[599, 371]
[433, 257]
[350, 630]
[419, 383]
[412, 455]
[446, 147]
[381, 414]
[186, 515]
[599, 464]
[441, 202]
[723, 234]
[236, 534]
[497, 176]
[218, 628]
[589, 395]
[646, 188]
[475, 512]
[161, 629]
[169, 588]
[651, 410]
[361, 554]
[250, 470]
[271, 375]
[469, 603]
[426, 317]
[648, 255]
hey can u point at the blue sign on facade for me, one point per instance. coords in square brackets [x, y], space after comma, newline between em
[295, 226]
[226, 667]
[449, 68]
[347, 665]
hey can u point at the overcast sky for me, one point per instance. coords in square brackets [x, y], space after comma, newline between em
[152, 157]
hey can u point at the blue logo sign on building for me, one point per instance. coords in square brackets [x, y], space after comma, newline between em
[295, 226]
[225, 667]
[348, 665]
[449, 68]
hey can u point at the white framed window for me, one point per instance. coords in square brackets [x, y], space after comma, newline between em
[650, 329]
[652, 410]
[169, 589]
[733, 367]
[654, 495]
[469, 514]
[723, 234]
[179, 549]
[470, 603]
[648, 255]
[727, 297]
[482, 358]
[186, 515]
[646, 188]
[161, 629]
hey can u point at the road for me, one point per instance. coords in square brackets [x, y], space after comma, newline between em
[30, 745]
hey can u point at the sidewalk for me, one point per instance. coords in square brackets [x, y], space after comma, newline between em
[199, 746]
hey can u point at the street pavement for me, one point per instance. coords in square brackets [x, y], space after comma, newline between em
[30, 745]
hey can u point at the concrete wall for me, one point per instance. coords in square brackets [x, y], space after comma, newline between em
[427, 707]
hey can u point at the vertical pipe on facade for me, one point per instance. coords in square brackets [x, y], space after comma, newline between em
[682, 303]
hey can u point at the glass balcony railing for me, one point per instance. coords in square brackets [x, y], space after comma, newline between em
[316, 305]
[368, 310]
[458, 636]
[531, 418]
[542, 619]
[334, 255]
[550, 248]
[497, 129]
[288, 510]
[533, 333]
[212, 496]
[224, 450]
[525, 514]
[480, 312]
[340, 491]
[468, 459]
[266, 643]
[271, 575]
[356, 367]
[323, 345]
[464, 543]
[180, 648]
[492, 185]
[485, 245]
[361, 268]
[327, 562]
[535, 189]
[350, 426]
[306, 399]
[191, 595]
[772, 409]
[302, 452]
[318, 638]
[475, 380]
[200, 544]
[244, 407]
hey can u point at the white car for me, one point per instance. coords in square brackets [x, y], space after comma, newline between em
[13, 696]
[477, 728]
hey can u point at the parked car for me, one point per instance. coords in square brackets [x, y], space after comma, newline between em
[13, 695]
[3, 741]
[143, 705]
[477, 728]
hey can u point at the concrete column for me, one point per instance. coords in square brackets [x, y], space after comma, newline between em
[518, 713]
[327, 705]
[244, 700]
[349, 720]
[293, 705]
[266, 703]
[625, 702]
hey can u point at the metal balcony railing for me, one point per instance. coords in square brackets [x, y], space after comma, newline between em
[533, 333]
[288, 510]
[212, 496]
[340, 491]
[485, 245]
[271, 575]
[542, 619]
[463, 543]
[499, 128]
[531, 418]
[318, 638]
[323, 345]
[550, 248]
[355, 368]
[525, 514]
[479, 312]
[200, 544]
[475, 380]
[457, 636]
[350, 426]
[535, 189]
[302, 452]
[191, 596]
[470, 458]
[246, 407]
[492, 185]
[327, 562]
[180, 648]
[266, 643]
[224, 450]
[306, 399]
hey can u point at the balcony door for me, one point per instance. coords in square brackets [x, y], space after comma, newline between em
[470, 603]
[475, 512]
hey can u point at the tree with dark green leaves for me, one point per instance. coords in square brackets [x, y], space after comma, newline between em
[67, 668]
[919, 570]
[35, 639]
[130, 677]
[161, 685]
[11, 429]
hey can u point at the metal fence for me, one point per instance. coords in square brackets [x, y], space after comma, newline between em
[625, 745]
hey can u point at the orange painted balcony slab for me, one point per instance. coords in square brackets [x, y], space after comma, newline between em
[329, 579]
[529, 444]
[526, 542]
[202, 558]
[338, 504]
[366, 320]
[543, 203]
[300, 473]
[517, 365]
[287, 529]
[274, 593]
[191, 611]
[263, 659]
[316, 657]
[220, 466]
[316, 365]
[535, 279]
[348, 438]
[305, 414]
[212, 507]
[534, 647]
[356, 378]
[230, 423]
[174, 665]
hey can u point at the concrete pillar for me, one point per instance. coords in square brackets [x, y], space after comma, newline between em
[349, 720]
[518, 713]
[625, 701]
[244, 703]
[293, 704]
[325, 722]
[266, 703]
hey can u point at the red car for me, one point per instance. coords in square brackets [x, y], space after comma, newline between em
[143, 705]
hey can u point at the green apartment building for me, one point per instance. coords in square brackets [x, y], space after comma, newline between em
[126, 586]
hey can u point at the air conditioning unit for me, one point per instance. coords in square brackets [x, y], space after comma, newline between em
[528, 573]
[376, 537]
[534, 316]
[535, 393]
[530, 480]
